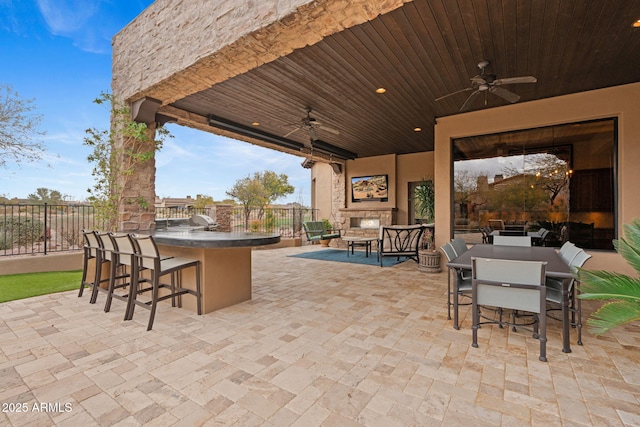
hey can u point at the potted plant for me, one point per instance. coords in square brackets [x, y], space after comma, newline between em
[428, 257]
[328, 227]
[622, 291]
[424, 198]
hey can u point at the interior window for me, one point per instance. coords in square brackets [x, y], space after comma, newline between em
[559, 179]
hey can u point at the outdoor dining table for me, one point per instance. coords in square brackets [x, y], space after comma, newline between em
[555, 268]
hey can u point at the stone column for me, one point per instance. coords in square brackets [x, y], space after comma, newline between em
[223, 217]
[339, 198]
[136, 211]
[338, 201]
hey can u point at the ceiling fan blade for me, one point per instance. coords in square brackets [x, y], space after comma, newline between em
[504, 94]
[454, 93]
[469, 101]
[511, 80]
[330, 130]
[289, 133]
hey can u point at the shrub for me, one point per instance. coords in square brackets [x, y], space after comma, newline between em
[269, 221]
[20, 231]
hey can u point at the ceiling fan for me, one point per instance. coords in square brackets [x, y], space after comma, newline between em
[311, 125]
[487, 82]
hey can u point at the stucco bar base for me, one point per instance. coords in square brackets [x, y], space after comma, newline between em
[225, 275]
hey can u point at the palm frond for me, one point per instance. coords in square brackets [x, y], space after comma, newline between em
[632, 233]
[613, 314]
[629, 246]
[622, 290]
[604, 285]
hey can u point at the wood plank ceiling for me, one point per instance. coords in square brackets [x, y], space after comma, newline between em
[420, 52]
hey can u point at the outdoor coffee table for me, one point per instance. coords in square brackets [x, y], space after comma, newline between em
[353, 241]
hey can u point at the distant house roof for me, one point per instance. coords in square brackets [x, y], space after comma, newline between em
[170, 202]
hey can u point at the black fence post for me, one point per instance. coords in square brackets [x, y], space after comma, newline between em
[46, 225]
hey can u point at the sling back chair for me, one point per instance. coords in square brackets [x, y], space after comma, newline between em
[147, 258]
[554, 294]
[515, 285]
[512, 240]
[461, 284]
[109, 258]
[122, 260]
[91, 264]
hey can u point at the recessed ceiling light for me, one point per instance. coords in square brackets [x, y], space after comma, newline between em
[381, 90]
[637, 23]
[417, 129]
[255, 124]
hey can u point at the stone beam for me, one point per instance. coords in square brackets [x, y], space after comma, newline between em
[179, 47]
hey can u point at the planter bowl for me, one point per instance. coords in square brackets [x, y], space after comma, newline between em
[429, 261]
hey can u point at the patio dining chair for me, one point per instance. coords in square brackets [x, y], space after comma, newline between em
[554, 294]
[568, 252]
[459, 245]
[512, 240]
[510, 284]
[496, 224]
[147, 258]
[486, 234]
[461, 284]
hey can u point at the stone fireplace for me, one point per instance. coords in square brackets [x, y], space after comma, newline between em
[365, 221]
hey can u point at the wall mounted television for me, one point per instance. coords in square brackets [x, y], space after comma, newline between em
[372, 188]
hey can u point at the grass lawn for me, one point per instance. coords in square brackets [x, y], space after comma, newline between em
[18, 286]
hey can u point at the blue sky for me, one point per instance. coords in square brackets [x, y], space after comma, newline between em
[58, 53]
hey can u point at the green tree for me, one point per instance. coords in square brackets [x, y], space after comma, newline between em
[113, 162]
[18, 128]
[45, 195]
[545, 172]
[202, 201]
[259, 191]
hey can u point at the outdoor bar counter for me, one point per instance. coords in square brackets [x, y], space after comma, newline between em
[225, 260]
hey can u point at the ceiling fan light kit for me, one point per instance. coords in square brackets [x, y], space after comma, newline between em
[488, 82]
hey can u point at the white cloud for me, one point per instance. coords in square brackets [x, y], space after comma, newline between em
[90, 24]
[67, 16]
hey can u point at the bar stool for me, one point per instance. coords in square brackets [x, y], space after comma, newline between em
[148, 258]
[104, 256]
[92, 251]
[118, 249]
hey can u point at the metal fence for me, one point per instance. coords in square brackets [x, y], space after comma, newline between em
[45, 228]
[284, 221]
[181, 212]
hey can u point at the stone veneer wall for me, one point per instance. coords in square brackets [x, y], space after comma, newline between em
[178, 47]
[136, 209]
[223, 217]
[175, 48]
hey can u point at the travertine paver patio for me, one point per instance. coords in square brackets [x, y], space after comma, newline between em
[321, 343]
